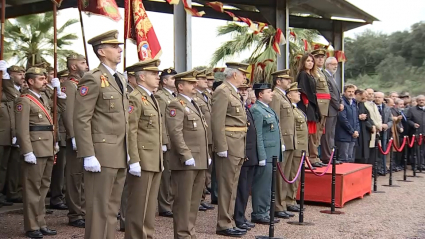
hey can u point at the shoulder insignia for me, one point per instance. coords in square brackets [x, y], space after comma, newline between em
[144, 100]
[84, 90]
[104, 81]
[182, 103]
[19, 107]
[130, 109]
[95, 70]
[63, 89]
[172, 112]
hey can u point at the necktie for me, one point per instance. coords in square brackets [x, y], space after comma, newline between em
[380, 109]
[174, 94]
[119, 83]
[205, 96]
[41, 100]
[154, 101]
[196, 106]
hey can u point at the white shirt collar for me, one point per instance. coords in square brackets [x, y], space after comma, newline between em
[284, 92]
[200, 92]
[17, 87]
[39, 96]
[109, 69]
[147, 91]
[187, 97]
[295, 105]
[169, 91]
[263, 103]
[236, 89]
[209, 91]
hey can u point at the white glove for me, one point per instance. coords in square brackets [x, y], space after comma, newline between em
[30, 158]
[222, 154]
[262, 163]
[57, 147]
[91, 164]
[3, 68]
[135, 169]
[283, 148]
[74, 145]
[61, 95]
[56, 84]
[164, 148]
[14, 140]
[209, 161]
[190, 162]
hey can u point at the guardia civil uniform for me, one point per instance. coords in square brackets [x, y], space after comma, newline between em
[164, 96]
[74, 171]
[268, 145]
[145, 141]
[229, 127]
[189, 139]
[284, 110]
[34, 129]
[100, 130]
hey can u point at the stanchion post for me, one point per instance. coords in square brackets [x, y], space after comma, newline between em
[375, 170]
[272, 203]
[405, 150]
[420, 161]
[416, 156]
[334, 159]
[390, 182]
[302, 184]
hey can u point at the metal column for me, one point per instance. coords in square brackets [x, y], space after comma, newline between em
[282, 22]
[338, 43]
[182, 38]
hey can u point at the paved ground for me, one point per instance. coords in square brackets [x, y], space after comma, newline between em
[398, 213]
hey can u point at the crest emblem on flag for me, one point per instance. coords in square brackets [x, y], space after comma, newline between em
[84, 90]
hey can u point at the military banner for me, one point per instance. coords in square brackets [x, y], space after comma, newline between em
[138, 28]
[108, 8]
[57, 2]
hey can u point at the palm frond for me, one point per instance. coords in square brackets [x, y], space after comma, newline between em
[232, 28]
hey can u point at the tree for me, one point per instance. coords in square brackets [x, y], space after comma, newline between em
[260, 44]
[29, 39]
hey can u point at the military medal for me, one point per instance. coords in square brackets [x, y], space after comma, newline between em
[103, 81]
[150, 122]
[194, 124]
[237, 110]
[112, 105]
[144, 100]
[40, 115]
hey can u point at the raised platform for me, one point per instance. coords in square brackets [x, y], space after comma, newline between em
[352, 181]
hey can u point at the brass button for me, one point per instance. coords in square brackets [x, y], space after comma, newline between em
[39, 137]
[112, 96]
[143, 147]
[103, 140]
[231, 134]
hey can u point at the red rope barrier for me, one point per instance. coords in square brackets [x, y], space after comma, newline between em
[327, 167]
[402, 145]
[388, 147]
[296, 176]
[411, 143]
[420, 139]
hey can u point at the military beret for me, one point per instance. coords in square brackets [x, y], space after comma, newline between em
[63, 73]
[109, 37]
[148, 65]
[201, 74]
[293, 87]
[210, 75]
[35, 71]
[238, 66]
[187, 76]
[16, 69]
[318, 52]
[75, 57]
[282, 74]
[168, 71]
[43, 65]
[261, 86]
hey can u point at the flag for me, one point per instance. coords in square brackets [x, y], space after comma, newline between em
[279, 39]
[138, 27]
[108, 8]
[192, 11]
[174, 2]
[57, 2]
[340, 56]
[218, 6]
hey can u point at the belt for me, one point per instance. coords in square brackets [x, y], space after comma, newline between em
[41, 128]
[236, 129]
[323, 96]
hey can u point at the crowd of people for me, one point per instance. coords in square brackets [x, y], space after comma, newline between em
[160, 140]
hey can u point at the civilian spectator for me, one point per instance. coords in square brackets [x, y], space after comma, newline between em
[394, 95]
[398, 131]
[387, 123]
[362, 153]
[377, 121]
[416, 119]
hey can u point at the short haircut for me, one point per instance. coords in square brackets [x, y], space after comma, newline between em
[359, 91]
[176, 83]
[30, 76]
[349, 86]
[398, 101]
[228, 72]
[257, 93]
[329, 59]
[96, 48]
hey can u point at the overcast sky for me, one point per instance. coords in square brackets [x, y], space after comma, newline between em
[394, 15]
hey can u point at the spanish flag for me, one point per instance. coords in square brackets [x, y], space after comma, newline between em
[138, 27]
[108, 8]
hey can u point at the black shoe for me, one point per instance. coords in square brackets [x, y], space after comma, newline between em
[338, 162]
[281, 215]
[240, 230]
[48, 211]
[80, 223]
[243, 226]
[166, 214]
[59, 206]
[6, 203]
[265, 220]
[289, 214]
[250, 224]
[293, 208]
[201, 208]
[323, 164]
[317, 165]
[230, 233]
[308, 167]
[34, 234]
[207, 206]
[48, 232]
[215, 202]
[15, 200]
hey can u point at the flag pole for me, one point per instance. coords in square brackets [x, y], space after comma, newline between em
[3, 13]
[55, 63]
[124, 53]
[82, 32]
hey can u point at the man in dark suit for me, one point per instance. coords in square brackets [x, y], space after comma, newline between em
[387, 123]
[328, 139]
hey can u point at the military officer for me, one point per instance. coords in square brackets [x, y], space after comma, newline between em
[164, 96]
[11, 90]
[210, 83]
[36, 144]
[63, 75]
[229, 127]
[145, 141]
[74, 173]
[204, 104]
[323, 99]
[131, 84]
[100, 130]
[301, 137]
[248, 168]
[189, 139]
[283, 108]
[268, 145]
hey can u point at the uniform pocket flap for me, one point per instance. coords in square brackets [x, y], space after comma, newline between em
[104, 138]
[110, 95]
[236, 135]
[146, 145]
[149, 113]
[195, 149]
[191, 117]
[235, 103]
[39, 136]
[269, 143]
[269, 120]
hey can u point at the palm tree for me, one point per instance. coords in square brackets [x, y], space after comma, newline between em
[29, 39]
[261, 46]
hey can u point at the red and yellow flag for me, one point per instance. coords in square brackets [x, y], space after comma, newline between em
[192, 11]
[138, 27]
[279, 39]
[108, 8]
[218, 6]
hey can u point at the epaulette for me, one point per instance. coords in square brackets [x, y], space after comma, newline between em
[95, 70]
